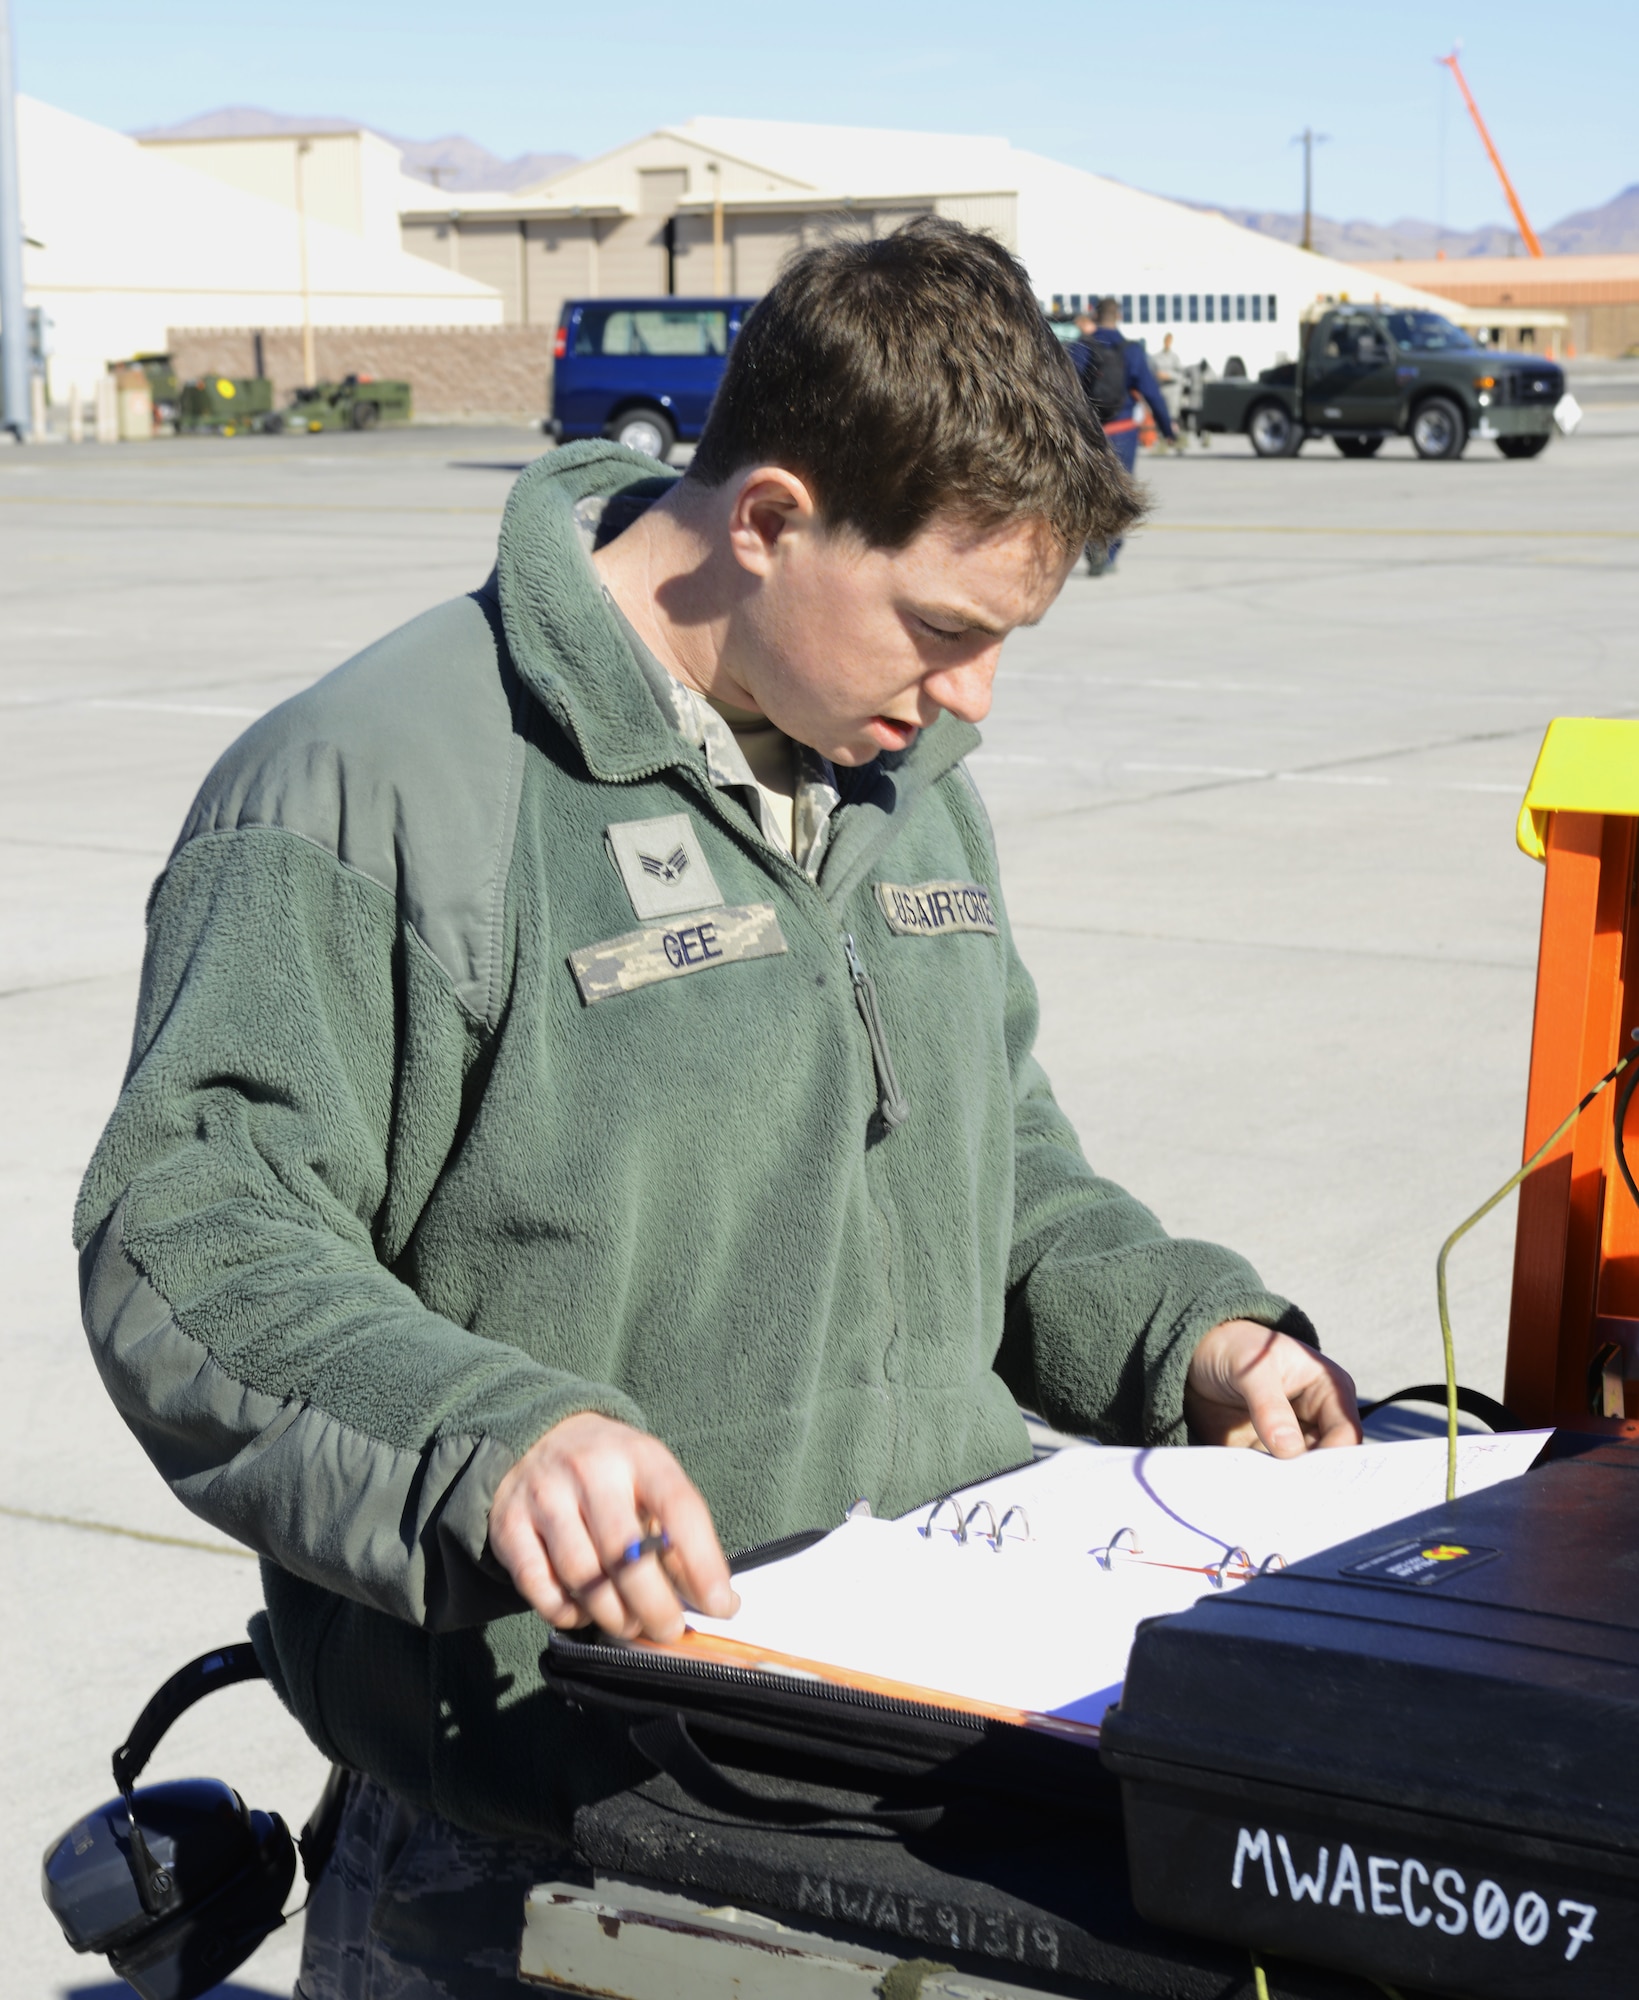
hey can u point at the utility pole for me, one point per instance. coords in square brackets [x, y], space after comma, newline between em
[714, 168]
[1309, 141]
[309, 373]
[14, 410]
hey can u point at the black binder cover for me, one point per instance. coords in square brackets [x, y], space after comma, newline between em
[1415, 1756]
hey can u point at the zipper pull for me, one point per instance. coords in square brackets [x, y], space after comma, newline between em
[892, 1107]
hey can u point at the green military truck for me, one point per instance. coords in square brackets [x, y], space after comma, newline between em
[163, 387]
[356, 403]
[224, 405]
[1365, 373]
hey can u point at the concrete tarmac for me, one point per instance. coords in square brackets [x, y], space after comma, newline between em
[1254, 792]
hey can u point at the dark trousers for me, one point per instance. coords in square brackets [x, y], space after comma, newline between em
[1124, 443]
[410, 1907]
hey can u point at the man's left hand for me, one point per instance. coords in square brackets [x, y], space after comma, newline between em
[1248, 1385]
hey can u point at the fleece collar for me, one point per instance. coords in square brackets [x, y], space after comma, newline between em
[571, 652]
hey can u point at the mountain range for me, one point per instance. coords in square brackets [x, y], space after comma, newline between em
[458, 165]
[1590, 232]
[454, 164]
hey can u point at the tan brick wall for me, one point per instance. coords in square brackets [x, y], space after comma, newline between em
[453, 371]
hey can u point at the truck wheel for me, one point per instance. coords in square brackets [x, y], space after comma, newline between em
[647, 431]
[1522, 447]
[1358, 447]
[363, 416]
[1274, 431]
[1438, 429]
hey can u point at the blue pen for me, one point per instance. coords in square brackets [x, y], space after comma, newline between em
[650, 1545]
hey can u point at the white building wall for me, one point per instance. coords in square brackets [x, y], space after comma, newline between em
[1082, 237]
[125, 244]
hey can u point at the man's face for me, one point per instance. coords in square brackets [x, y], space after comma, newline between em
[852, 650]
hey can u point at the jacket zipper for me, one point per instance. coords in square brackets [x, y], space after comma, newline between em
[892, 1105]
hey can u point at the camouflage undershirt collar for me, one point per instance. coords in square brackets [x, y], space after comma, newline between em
[816, 795]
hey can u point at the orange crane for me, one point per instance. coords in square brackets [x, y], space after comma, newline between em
[1451, 63]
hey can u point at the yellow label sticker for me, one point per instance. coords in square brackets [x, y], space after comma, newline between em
[225, 389]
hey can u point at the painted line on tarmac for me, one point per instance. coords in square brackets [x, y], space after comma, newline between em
[1396, 534]
[1249, 773]
[1302, 947]
[241, 506]
[166, 707]
[128, 1534]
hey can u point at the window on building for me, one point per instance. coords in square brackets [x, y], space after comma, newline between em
[1211, 302]
[1075, 302]
[1127, 308]
[1240, 305]
[1271, 313]
[1058, 302]
[1257, 305]
[1160, 308]
[619, 330]
[1223, 307]
[1195, 307]
[1143, 308]
[1177, 307]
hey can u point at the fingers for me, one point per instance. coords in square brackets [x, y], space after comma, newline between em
[1250, 1385]
[1327, 1406]
[566, 1514]
[518, 1548]
[1273, 1417]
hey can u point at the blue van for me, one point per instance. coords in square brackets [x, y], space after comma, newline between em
[641, 371]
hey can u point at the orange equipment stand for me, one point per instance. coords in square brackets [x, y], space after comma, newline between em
[1573, 1333]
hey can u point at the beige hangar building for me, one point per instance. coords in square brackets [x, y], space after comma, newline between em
[715, 206]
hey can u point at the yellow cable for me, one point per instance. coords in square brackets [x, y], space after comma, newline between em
[1260, 1985]
[1462, 1230]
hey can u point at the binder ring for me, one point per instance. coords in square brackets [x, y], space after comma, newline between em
[1002, 1527]
[1105, 1556]
[983, 1507]
[947, 1500]
[1271, 1563]
[1230, 1559]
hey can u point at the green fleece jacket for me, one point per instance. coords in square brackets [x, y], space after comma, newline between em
[490, 1065]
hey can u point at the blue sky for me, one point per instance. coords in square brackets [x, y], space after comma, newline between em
[1198, 98]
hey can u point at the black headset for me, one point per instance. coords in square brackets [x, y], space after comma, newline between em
[177, 1884]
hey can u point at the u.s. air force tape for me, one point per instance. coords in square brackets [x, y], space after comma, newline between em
[936, 909]
[668, 951]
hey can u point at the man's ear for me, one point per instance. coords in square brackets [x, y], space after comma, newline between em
[769, 504]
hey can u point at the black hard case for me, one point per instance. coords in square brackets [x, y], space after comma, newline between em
[1476, 1736]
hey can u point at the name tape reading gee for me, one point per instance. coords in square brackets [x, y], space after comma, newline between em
[670, 951]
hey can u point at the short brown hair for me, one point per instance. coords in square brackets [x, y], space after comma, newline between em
[912, 376]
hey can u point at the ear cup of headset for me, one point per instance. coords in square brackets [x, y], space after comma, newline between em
[224, 1874]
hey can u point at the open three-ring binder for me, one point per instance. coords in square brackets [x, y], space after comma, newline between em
[1018, 1598]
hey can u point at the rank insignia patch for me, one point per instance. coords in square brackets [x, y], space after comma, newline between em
[663, 866]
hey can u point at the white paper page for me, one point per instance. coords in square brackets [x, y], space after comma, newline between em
[1041, 1625]
[1027, 1627]
[1190, 1505]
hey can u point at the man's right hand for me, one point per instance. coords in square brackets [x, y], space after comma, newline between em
[577, 1499]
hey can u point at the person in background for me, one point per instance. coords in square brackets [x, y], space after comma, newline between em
[1113, 371]
[1171, 372]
